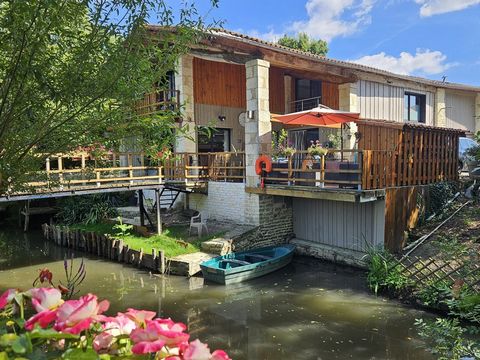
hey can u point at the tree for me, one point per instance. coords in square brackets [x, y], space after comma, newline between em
[305, 43]
[71, 71]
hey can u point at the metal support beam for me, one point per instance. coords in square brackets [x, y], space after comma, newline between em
[159, 209]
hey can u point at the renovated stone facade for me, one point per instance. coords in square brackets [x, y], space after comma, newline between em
[184, 83]
[276, 224]
[440, 108]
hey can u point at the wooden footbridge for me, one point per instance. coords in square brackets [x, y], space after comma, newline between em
[84, 173]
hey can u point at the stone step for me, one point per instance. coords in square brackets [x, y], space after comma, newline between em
[189, 264]
[219, 246]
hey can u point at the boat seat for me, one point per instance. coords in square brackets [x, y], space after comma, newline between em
[235, 261]
[257, 257]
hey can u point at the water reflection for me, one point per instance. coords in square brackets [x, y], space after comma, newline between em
[309, 310]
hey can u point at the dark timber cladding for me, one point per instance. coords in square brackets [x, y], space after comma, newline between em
[405, 154]
[219, 83]
[402, 158]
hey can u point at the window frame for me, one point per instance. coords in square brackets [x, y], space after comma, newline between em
[422, 103]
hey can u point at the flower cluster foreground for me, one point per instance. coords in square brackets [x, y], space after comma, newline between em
[73, 328]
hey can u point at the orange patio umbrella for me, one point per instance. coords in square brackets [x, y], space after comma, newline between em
[319, 116]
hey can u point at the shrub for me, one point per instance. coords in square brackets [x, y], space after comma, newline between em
[385, 273]
[89, 209]
[446, 339]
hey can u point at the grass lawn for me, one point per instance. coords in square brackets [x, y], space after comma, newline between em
[166, 242]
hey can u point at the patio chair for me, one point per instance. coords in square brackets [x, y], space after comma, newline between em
[198, 222]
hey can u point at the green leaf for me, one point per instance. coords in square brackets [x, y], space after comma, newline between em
[79, 354]
[50, 334]
[3, 356]
[7, 340]
[22, 344]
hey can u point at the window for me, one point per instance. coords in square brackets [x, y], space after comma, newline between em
[414, 107]
[307, 94]
[219, 140]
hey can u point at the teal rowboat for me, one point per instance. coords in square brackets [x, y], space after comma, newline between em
[246, 265]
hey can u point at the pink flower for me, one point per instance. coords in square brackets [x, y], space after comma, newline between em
[146, 340]
[43, 318]
[103, 343]
[118, 325]
[45, 298]
[196, 350]
[140, 316]
[74, 316]
[113, 327]
[7, 297]
[171, 332]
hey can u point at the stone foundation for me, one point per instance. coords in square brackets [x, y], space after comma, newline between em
[276, 225]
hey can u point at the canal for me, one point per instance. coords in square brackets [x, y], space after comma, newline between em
[308, 310]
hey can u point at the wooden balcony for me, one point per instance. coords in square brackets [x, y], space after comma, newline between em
[158, 101]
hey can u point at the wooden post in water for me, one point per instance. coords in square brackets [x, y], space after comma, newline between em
[159, 219]
[140, 205]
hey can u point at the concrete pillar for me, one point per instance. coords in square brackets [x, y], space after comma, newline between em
[287, 83]
[348, 101]
[477, 113]
[184, 83]
[258, 139]
[440, 108]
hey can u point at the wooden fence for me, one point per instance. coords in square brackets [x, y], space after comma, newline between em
[396, 154]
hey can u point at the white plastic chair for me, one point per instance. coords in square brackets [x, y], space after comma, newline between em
[198, 222]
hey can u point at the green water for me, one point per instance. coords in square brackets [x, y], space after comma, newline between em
[308, 310]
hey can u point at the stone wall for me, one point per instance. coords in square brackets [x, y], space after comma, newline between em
[276, 224]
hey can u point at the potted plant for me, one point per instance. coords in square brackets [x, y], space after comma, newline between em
[280, 146]
[317, 150]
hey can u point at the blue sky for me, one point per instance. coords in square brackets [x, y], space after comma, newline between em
[428, 38]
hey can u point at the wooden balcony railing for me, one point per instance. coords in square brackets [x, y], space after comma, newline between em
[157, 101]
[337, 169]
[84, 171]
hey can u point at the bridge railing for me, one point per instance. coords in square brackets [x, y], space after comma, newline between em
[85, 170]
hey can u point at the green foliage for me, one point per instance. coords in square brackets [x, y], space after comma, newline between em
[305, 43]
[280, 145]
[72, 71]
[88, 209]
[450, 247]
[434, 293]
[475, 151]
[447, 339]
[384, 273]
[171, 241]
[439, 195]
[121, 228]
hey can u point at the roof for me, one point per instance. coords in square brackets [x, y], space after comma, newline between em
[341, 63]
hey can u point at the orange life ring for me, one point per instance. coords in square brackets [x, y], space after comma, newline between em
[263, 160]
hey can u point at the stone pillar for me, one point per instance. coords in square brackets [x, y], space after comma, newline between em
[440, 108]
[287, 83]
[348, 101]
[258, 128]
[184, 83]
[477, 113]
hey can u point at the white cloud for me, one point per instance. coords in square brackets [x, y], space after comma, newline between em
[328, 19]
[423, 62]
[435, 7]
